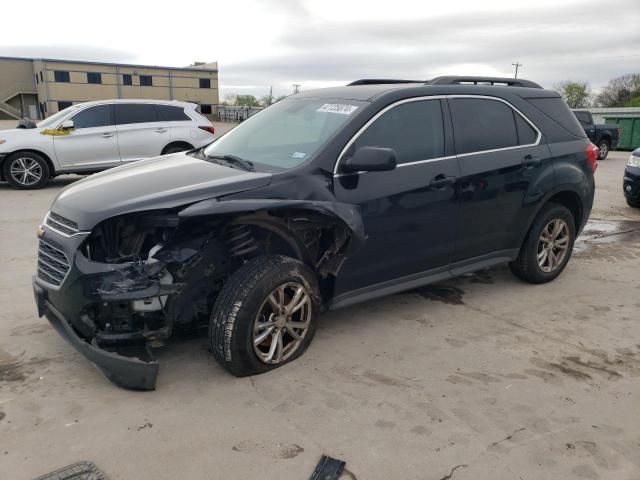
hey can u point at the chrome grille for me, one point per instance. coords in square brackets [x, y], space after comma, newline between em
[63, 225]
[53, 264]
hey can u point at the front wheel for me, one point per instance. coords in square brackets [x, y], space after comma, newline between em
[603, 146]
[26, 170]
[265, 315]
[547, 247]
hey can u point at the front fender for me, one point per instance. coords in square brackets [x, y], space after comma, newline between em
[346, 214]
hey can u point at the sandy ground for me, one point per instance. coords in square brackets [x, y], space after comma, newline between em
[484, 377]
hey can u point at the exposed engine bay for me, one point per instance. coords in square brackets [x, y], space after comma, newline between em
[168, 268]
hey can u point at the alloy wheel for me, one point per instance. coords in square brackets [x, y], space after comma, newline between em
[553, 245]
[26, 171]
[604, 149]
[282, 323]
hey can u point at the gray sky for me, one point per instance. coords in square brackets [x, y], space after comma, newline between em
[331, 42]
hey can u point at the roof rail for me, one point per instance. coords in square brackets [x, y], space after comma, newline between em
[504, 81]
[382, 81]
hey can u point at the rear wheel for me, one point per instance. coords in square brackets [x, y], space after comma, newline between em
[633, 202]
[26, 170]
[176, 147]
[547, 247]
[603, 146]
[264, 316]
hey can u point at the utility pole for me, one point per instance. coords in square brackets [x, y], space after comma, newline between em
[517, 64]
[296, 88]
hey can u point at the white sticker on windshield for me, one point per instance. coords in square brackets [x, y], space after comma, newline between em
[342, 108]
[298, 155]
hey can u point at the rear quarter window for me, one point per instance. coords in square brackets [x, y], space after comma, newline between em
[168, 113]
[559, 112]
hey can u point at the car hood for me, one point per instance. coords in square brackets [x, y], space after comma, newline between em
[19, 133]
[161, 182]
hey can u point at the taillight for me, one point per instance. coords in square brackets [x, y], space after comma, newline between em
[209, 129]
[592, 153]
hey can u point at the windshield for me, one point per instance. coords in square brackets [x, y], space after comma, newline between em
[287, 133]
[54, 119]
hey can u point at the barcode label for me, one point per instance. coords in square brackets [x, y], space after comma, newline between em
[342, 108]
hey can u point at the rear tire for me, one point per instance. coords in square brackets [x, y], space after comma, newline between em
[547, 247]
[634, 203]
[176, 148]
[249, 322]
[26, 170]
[604, 147]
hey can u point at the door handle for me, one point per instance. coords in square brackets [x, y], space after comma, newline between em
[529, 161]
[441, 181]
[107, 135]
[160, 130]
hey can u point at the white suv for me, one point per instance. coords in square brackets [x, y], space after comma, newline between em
[94, 136]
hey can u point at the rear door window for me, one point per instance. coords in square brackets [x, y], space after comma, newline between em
[481, 124]
[414, 130]
[98, 116]
[127, 113]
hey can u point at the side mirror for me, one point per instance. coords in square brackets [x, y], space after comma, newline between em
[67, 125]
[371, 159]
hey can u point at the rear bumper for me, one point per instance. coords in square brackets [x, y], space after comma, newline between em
[126, 372]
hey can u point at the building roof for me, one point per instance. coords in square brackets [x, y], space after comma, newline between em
[203, 68]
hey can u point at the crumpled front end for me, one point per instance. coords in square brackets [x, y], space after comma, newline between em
[123, 288]
[116, 292]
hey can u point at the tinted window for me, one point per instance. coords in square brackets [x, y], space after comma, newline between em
[98, 116]
[135, 113]
[93, 77]
[61, 76]
[126, 79]
[559, 112]
[167, 113]
[63, 105]
[205, 108]
[481, 124]
[526, 133]
[583, 117]
[146, 81]
[414, 130]
[205, 83]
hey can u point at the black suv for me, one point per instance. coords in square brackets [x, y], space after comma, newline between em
[325, 199]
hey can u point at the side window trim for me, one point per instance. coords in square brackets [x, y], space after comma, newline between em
[448, 157]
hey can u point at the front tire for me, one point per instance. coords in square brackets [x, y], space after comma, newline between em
[547, 247]
[264, 316]
[604, 148]
[26, 171]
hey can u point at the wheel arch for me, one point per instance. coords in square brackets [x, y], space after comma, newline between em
[52, 169]
[177, 143]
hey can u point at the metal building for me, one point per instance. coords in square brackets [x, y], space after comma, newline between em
[39, 87]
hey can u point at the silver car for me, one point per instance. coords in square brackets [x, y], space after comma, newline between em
[94, 136]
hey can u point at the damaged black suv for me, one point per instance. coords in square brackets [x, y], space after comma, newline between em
[325, 199]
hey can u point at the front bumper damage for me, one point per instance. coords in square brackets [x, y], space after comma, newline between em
[126, 372]
[113, 309]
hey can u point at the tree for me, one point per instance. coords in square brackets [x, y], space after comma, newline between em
[266, 100]
[229, 99]
[620, 92]
[246, 101]
[576, 94]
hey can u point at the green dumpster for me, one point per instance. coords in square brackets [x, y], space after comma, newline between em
[629, 131]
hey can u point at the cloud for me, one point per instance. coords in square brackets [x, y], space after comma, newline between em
[553, 44]
[69, 52]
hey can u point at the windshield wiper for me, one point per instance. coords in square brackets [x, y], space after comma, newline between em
[240, 162]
